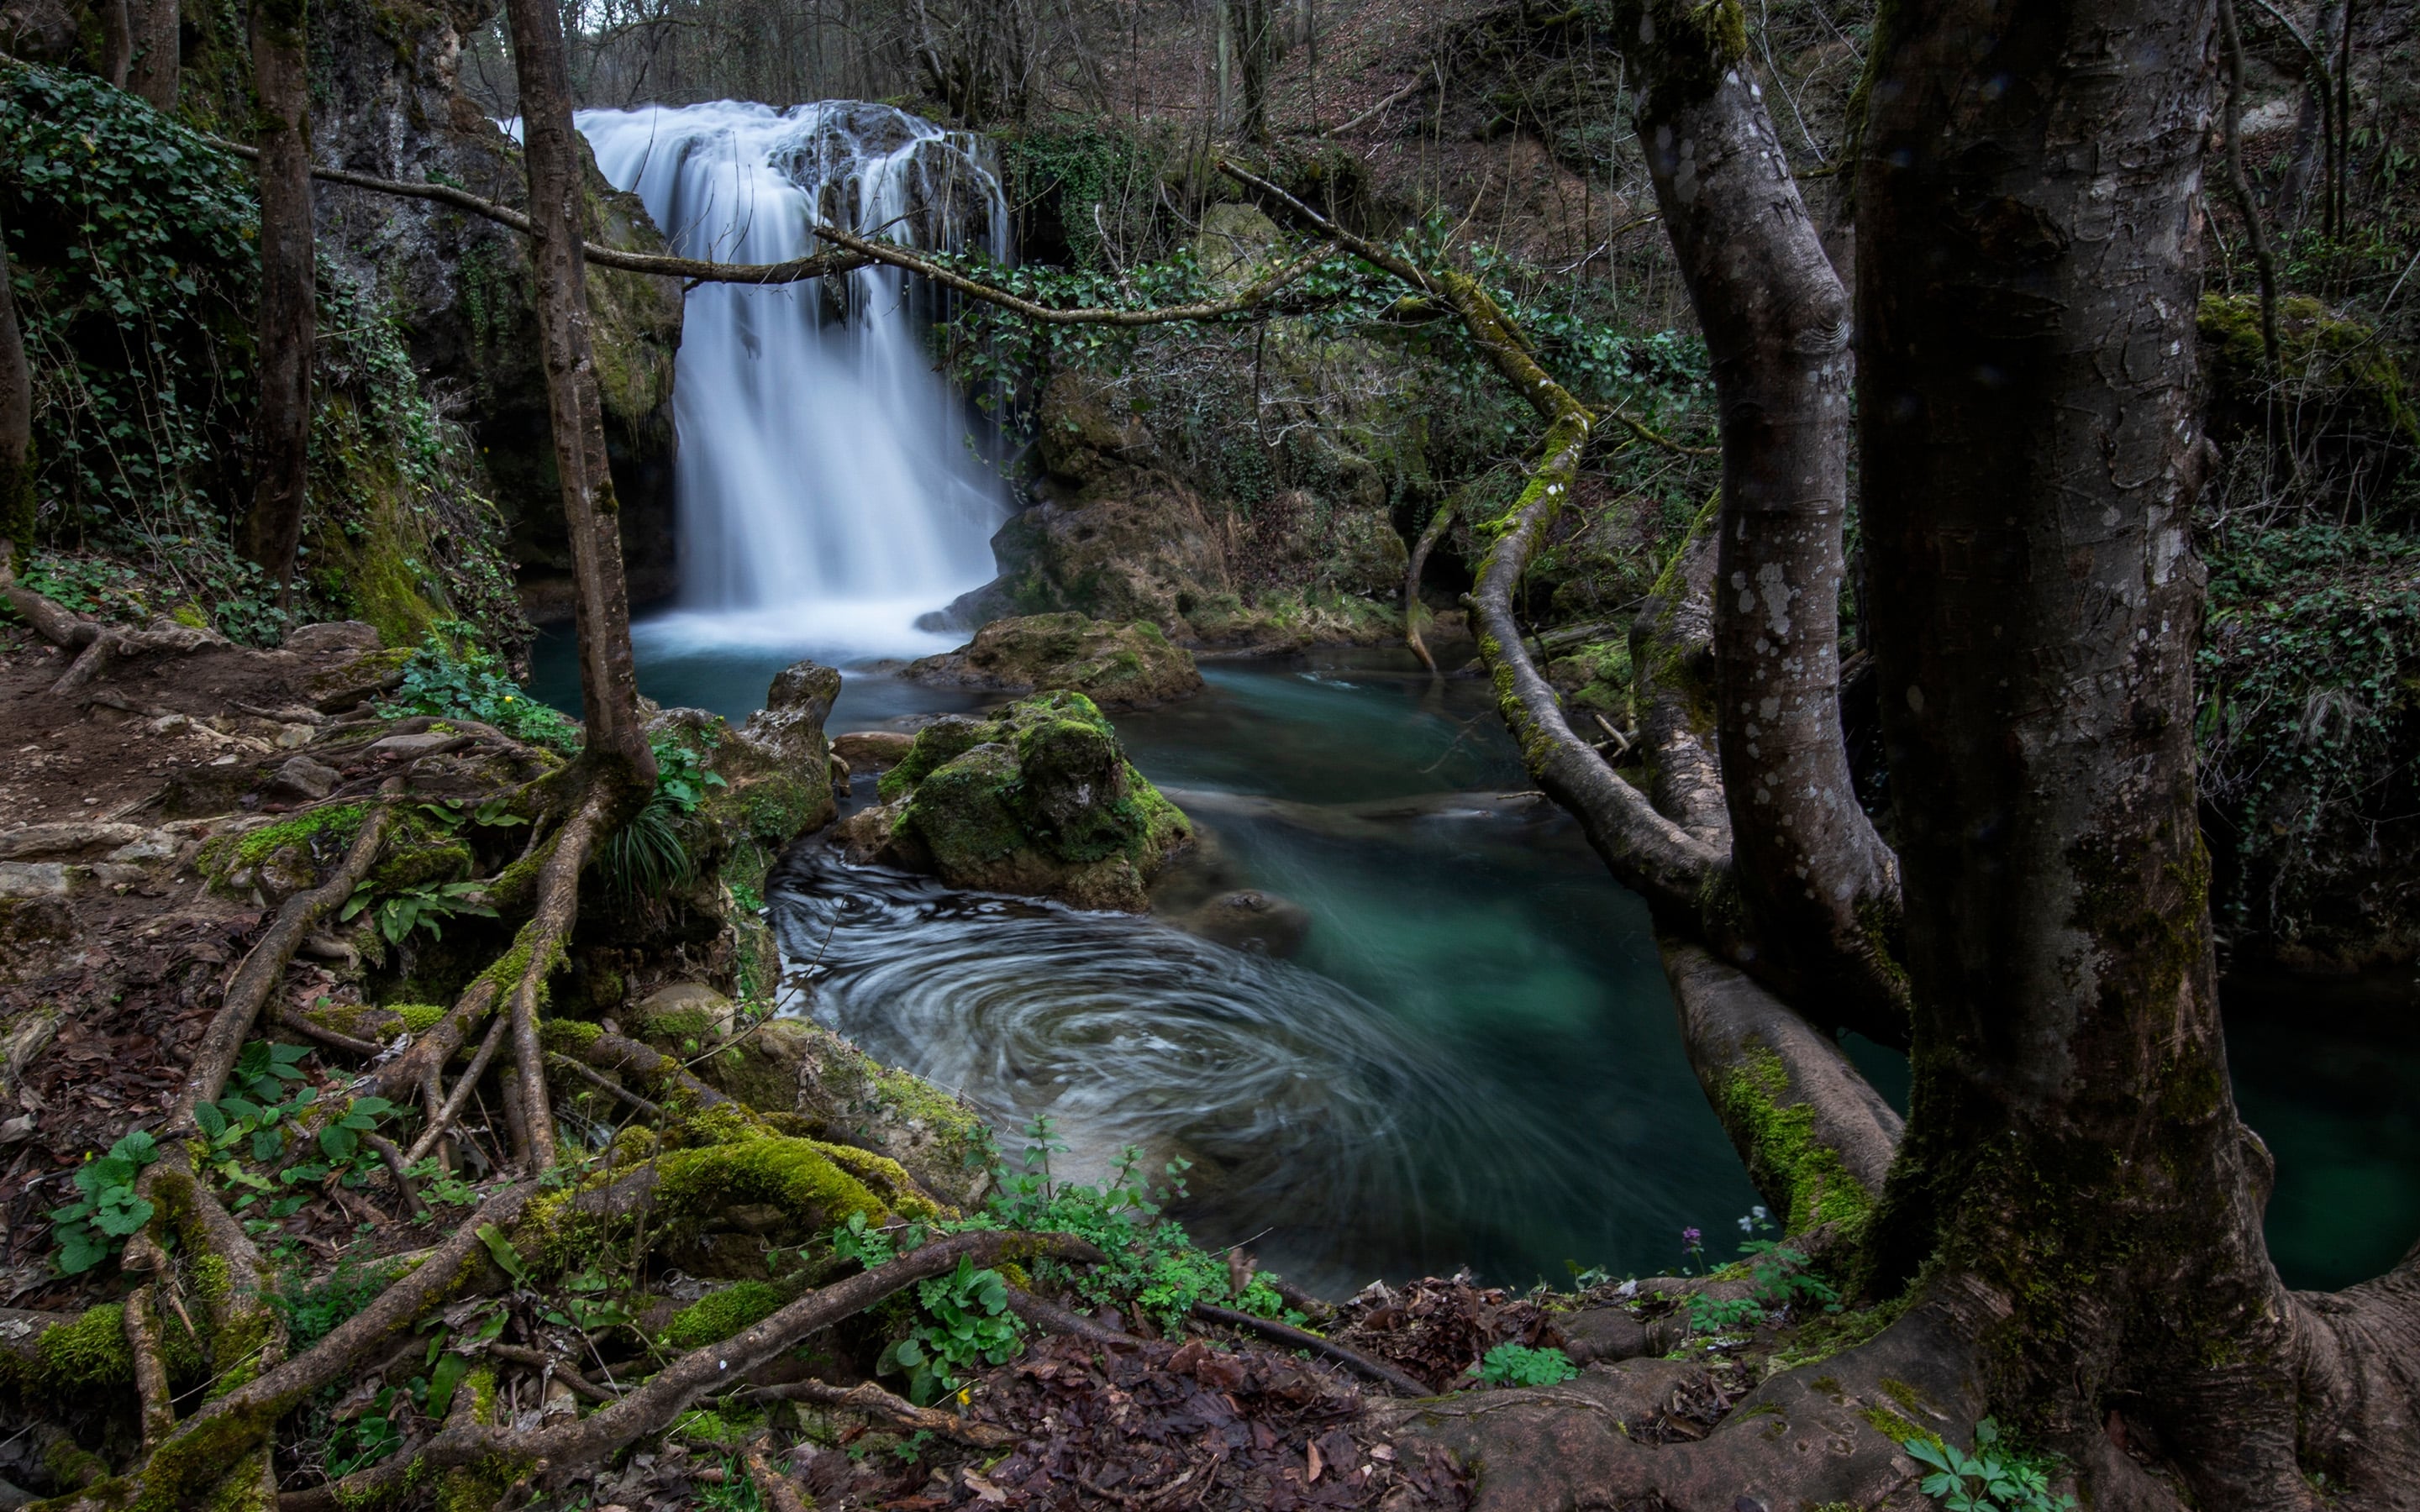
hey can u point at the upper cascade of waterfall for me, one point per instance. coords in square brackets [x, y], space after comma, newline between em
[827, 492]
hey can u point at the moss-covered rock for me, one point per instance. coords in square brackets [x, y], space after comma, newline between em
[843, 1095]
[718, 1314]
[1129, 665]
[1038, 799]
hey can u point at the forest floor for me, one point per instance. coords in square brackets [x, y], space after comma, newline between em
[129, 902]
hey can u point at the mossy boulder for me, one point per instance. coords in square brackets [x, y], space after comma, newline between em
[2338, 400]
[1037, 799]
[841, 1094]
[1129, 665]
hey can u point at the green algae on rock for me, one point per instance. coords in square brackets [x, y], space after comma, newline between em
[1129, 665]
[1038, 798]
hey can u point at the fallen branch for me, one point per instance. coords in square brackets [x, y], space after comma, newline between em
[873, 1401]
[1407, 92]
[1302, 1338]
[779, 1492]
[605, 1084]
[49, 621]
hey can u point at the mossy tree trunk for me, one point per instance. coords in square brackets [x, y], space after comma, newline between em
[16, 424]
[2029, 218]
[281, 436]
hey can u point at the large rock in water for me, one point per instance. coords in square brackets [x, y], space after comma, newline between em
[1037, 799]
[1127, 666]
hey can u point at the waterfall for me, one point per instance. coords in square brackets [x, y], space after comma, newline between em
[826, 495]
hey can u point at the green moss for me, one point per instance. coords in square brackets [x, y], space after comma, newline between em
[1788, 1163]
[570, 1037]
[1897, 1429]
[718, 1314]
[324, 830]
[418, 851]
[88, 1353]
[419, 1018]
[73, 1466]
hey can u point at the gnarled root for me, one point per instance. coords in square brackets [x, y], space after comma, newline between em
[651, 1407]
[1816, 1137]
[1822, 1433]
[875, 1402]
[223, 1041]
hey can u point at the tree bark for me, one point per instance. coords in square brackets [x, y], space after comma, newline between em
[1819, 886]
[281, 436]
[2029, 226]
[16, 427]
[116, 42]
[157, 52]
[551, 152]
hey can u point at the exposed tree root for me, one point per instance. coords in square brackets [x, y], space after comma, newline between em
[1816, 1137]
[651, 1407]
[262, 971]
[875, 1402]
[1827, 1433]
[541, 942]
[1286, 1334]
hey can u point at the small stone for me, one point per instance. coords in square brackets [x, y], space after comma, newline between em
[303, 778]
[291, 735]
[406, 746]
[337, 635]
[33, 879]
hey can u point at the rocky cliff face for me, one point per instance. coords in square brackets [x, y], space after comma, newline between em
[385, 102]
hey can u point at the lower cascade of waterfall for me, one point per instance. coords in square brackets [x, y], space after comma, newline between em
[827, 494]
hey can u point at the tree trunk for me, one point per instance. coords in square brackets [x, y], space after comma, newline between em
[116, 42]
[2315, 134]
[282, 427]
[1255, 41]
[1819, 886]
[157, 54]
[16, 427]
[2029, 223]
[607, 675]
[616, 762]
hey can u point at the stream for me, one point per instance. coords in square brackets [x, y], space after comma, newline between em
[1472, 1060]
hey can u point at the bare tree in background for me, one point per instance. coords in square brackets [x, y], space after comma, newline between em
[286, 321]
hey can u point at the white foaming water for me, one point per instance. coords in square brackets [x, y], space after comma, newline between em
[826, 494]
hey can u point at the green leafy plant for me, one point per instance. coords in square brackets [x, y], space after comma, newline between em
[1778, 1278]
[965, 1322]
[400, 913]
[95, 1226]
[650, 855]
[1154, 1266]
[449, 676]
[1512, 1364]
[1994, 1478]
